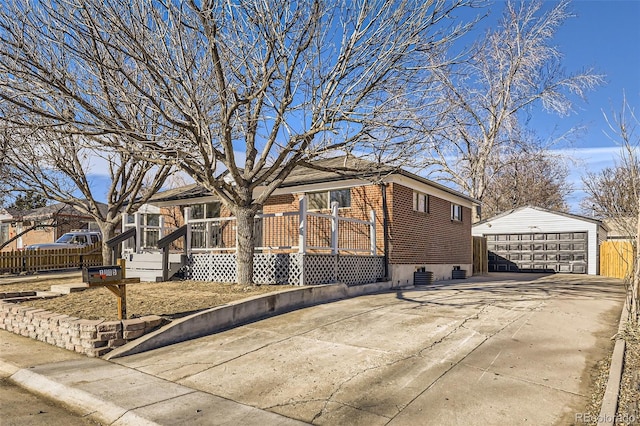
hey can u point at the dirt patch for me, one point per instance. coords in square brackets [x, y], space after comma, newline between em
[170, 299]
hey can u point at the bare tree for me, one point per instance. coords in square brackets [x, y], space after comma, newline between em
[525, 178]
[614, 192]
[252, 88]
[59, 167]
[485, 100]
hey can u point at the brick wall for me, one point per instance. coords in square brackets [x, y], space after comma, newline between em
[93, 338]
[427, 238]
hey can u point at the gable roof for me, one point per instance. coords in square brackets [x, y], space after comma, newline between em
[57, 209]
[542, 209]
[319, 171]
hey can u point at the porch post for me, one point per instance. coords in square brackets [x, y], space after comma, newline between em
[138, 223]
[302, 231]
[372, 232]
[187, 218]
[334, 227]
[123, 226]
[161, 224]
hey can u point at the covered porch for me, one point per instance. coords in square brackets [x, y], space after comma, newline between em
[301, 247]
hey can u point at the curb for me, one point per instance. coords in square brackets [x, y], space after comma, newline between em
[98, 408]
[163, 402]
[609, 407]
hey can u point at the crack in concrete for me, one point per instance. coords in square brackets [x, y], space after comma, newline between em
[453, 365]
[417, 354]
[520, 379]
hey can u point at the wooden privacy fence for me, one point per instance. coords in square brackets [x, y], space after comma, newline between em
[14, 262]
[616, 259]
[480, 256]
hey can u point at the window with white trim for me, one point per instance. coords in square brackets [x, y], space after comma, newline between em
[205, 211]
[420, 202]
[323, 200]
[456, 212]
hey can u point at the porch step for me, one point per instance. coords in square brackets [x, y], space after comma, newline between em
[148, 266]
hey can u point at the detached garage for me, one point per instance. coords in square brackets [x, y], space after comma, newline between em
[533, 239]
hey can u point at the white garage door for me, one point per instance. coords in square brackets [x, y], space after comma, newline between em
[557, 252]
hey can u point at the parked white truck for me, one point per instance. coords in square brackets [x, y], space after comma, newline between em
[73, 239]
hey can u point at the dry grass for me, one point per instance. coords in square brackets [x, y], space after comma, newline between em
[169, 299]
[629, 400]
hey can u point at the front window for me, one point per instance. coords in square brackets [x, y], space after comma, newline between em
[205, 211]
[323, 200]
[207, 234]
[150, 236]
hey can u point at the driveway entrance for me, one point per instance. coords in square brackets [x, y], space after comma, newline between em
[503, 349]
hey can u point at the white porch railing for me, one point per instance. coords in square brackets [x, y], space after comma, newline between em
[147, 236]
[302, 231]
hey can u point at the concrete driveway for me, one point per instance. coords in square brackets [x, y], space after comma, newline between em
[504, 349]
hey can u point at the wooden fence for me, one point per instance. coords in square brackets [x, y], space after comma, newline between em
[480, 256]
[14, 262]
[616, 259]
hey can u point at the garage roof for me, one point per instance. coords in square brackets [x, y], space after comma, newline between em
[569, 215]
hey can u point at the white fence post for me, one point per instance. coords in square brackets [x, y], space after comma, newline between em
[137, 220]
[372, 233]
[334, 227]
[302, 232]
[187, 218]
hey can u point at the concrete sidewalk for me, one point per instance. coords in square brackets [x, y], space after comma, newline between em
[485, 351]
[39, 276]
[117, 395]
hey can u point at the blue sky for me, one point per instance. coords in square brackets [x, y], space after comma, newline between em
[605, 35]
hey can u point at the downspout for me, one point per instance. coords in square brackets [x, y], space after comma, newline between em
[385, 228]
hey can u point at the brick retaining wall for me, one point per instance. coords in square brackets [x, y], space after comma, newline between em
[93, 338]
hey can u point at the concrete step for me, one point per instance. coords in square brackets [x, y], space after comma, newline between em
[69, 288]
[47, 294]
[34, 295]
[14, 294]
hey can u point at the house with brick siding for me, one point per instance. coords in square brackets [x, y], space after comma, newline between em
[412, 222]
[41, 225]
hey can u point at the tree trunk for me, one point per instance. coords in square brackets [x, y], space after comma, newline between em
[246, 243]
[108, 231]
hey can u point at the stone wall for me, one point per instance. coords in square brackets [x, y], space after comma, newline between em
[93, 338]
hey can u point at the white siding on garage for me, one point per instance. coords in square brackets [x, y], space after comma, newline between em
[533, 220]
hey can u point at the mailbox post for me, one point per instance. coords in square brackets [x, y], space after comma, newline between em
[111, 278]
